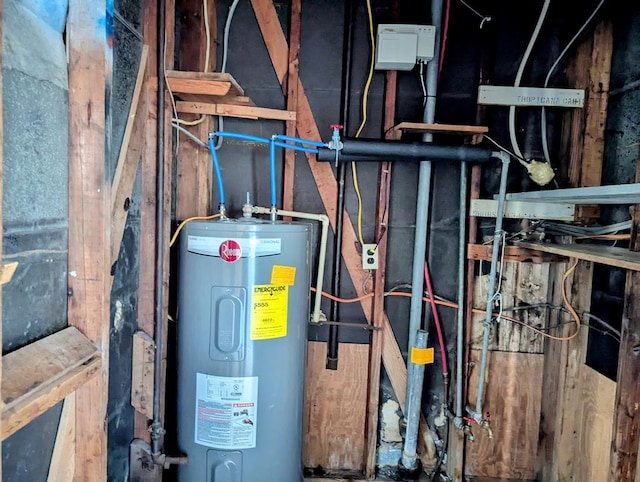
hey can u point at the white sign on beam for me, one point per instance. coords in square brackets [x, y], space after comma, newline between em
[530, 96]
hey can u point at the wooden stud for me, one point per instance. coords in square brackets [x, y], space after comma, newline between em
[292, 102]
[382, 226]
[89, 226]
[62, 466]
[129, 158]
[626, 424]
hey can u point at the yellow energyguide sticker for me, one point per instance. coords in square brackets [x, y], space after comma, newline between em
[269, 311]
[283, 275]
[422, 356]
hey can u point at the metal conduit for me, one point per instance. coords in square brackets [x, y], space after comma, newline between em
[409, 463]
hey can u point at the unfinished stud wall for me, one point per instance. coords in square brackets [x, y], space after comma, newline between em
[35, 109]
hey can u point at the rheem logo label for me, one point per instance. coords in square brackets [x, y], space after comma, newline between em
[230, 251]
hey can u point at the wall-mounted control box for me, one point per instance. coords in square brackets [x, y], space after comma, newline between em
[400, 46]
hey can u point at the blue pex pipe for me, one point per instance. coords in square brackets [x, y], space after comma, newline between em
[246, 137]
[272, 170]
[296, 148]
[300, 141]
[216, 167]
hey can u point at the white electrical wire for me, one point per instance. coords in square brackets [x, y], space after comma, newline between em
[424, 87]
[523, 63]
[543, 116]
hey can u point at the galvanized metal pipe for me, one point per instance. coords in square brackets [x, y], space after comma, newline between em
[409, 451]
[156, 429]
[462, 258]
[415, 372]
[497, 236]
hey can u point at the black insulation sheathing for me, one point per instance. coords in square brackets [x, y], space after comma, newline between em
[368, 150]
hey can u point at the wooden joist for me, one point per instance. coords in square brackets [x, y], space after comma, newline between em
[39, 375]
[234, 110]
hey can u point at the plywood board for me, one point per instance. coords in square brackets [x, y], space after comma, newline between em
[522, 284]
[513, 398]
[596, 409]
[335, 408]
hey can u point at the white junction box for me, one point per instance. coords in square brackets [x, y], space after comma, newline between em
[369, 256]
[400, 46]
[530, 96]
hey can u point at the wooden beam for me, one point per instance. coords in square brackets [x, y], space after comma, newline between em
[327, 186]
[40, 374]
[476, 132]
[512, 254]
[235, 110]
[62, 466]
[292, 102]
[129, 158]
[89, 227]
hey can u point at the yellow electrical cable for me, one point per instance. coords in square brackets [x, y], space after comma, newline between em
[365, 96]
[183, 223]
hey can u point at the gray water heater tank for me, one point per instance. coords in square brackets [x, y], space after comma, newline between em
[243, 309]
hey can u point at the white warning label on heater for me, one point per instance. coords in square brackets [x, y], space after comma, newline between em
[226, 411]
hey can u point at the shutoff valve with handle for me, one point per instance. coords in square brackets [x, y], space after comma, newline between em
[335, 143]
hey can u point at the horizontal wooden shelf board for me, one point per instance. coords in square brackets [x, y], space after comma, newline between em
[39, 375]
[212, 83]
[231, 110]
[418, 127]
[611, 256]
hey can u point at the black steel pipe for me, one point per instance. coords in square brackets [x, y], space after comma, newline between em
[156, 427]
[370, 150]
[334, 330]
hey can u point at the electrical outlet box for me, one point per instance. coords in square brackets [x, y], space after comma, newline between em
[399, 46]
[369, 256]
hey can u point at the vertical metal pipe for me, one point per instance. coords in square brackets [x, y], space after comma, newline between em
[477, 415]
[156, 428]
[462, 263]
[332, 344]
[409, 451]
[409, 459]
